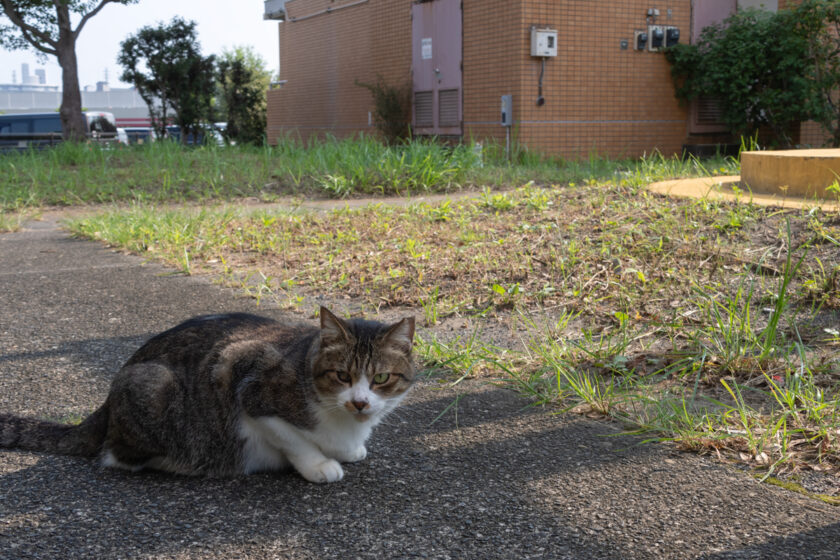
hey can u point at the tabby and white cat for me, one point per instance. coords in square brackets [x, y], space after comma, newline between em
[222, 395]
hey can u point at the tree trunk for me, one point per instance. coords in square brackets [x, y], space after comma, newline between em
[73, 122]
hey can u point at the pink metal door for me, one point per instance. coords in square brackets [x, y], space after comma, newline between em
[436, 64]
[708, 12]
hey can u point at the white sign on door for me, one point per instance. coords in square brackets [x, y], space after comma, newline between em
[426, 48]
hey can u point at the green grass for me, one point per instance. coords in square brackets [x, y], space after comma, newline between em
[657, 312]
[73, 174]
[705, 323]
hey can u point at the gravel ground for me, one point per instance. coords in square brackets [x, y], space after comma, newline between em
[491, 478]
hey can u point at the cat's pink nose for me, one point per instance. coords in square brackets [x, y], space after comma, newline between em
[360, 405]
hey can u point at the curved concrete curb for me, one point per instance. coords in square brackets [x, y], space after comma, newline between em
[727, 187]
[805, 173]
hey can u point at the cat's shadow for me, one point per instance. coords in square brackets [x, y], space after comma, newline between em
[105, 354]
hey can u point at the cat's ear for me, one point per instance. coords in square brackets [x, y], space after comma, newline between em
[401, 335]
[333, 329]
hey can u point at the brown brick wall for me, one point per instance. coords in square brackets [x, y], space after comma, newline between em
[813, 135]
[492, 68]
[599, 98]
[321, 57]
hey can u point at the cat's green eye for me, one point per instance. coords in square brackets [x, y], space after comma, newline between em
[381, 378]
[343, 376]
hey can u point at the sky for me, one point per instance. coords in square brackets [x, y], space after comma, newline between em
[221, 24]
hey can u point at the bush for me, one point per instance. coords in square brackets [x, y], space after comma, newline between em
[758, 65]
[392, 109]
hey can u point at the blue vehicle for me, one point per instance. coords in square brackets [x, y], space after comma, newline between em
[209, 134]
[140, 134]
[25, 130]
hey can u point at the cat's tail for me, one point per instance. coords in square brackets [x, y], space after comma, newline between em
[83, 439]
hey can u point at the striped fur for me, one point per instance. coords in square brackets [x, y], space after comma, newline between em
[231, 394]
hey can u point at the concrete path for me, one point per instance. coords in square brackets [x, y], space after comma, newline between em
[489, 479]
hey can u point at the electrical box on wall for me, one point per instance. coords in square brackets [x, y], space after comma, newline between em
[640, 39]
[507, 110]
[672, 36]
[543, 42]
[656, 37]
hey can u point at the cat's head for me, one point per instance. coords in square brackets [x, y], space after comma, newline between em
[363, 368]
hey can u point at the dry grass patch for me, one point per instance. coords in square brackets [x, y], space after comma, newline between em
[708, 323]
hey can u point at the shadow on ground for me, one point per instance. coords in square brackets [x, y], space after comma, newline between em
[416, 492]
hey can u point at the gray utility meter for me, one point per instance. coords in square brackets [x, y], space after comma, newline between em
[507, 110]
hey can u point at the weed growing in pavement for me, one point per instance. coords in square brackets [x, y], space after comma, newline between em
[465, 356]
[14, 219]
[430, 307]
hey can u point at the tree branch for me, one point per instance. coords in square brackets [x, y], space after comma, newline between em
[31, 34]
[89, 15]
[32, 41]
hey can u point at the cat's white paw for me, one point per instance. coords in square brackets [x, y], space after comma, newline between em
[356, 455]
[327, 470]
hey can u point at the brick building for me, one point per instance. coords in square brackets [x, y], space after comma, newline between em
[606, 90]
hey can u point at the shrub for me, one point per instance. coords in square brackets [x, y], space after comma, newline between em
[392, 109]
[757, 64]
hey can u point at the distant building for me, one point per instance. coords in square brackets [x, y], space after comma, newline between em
[25, 78]
[34, 95]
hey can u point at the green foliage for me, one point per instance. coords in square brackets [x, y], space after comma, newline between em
[756, 64]
[242, 84]
[392, 109]
[166, 66]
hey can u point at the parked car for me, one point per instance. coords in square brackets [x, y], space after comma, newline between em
[24, 130]
[209, 135]
[101, 126]
[140, 134]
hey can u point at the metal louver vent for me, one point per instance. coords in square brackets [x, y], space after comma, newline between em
[448, 108]
[423, 108]
[708, 111]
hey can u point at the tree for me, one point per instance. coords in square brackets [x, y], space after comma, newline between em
[46, 26]
[242, 84]
[756, 64]
[166, 66]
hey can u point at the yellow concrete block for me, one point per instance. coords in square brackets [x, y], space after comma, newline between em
[799, 173]
[729, 188]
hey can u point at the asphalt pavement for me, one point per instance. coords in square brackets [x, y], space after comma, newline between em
[491, 478]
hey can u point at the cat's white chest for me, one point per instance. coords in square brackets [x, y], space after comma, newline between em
[270, 443]
[258, 454]
[340, 436]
